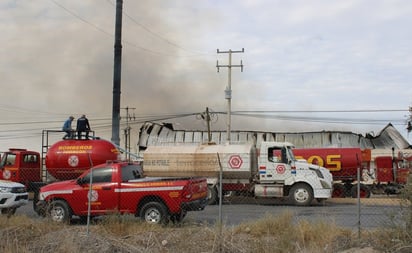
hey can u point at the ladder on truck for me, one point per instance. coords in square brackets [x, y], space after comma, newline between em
[47, 137]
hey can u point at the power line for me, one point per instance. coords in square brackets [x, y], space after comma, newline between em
[255, 113]
[124, 41]
[7, 134]
[81, 18]
[327, 111]
[158, 35]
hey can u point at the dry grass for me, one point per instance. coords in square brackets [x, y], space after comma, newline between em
[125, 234]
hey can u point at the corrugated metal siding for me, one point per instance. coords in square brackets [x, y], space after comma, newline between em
[156, 134]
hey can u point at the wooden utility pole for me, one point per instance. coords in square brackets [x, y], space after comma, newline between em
[127, 144]
[228, 91]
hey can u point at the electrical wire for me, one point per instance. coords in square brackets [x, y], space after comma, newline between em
[105, 124]
[158, 35]
[124, 41]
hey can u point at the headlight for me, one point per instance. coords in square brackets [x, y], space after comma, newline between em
[5, 189]
[325, 185]
[318, 172]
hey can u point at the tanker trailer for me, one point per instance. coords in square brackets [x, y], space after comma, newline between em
[242, 169]
[205, 161]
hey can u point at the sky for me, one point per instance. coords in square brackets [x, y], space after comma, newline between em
[307, 65]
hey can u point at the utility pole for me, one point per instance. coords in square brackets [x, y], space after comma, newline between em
[208, 117]
[117, 72]
[127, 132]
[228, 91]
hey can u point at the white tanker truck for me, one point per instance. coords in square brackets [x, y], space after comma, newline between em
[270, 171]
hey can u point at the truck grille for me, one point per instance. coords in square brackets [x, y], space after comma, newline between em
[18, 190]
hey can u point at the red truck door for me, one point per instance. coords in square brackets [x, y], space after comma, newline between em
[30, 168]
[103, 197]
[128, 198]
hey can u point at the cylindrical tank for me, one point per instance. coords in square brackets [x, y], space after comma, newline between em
[67, 159]
[203, 160]
[342, 162]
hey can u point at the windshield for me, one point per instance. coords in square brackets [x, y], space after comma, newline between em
[290, 154]
[8, 159]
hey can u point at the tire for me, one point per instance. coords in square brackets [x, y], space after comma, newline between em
[364, 191]
[177, 218]
[40, 211]
[154, 213]
[212, 195]
[8, 211]
[338, 191]
[59, 211]
[301, 195]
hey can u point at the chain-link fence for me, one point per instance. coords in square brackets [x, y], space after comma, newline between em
[236, 192]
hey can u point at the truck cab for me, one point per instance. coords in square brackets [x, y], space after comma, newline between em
[20, 165]
[281, 174]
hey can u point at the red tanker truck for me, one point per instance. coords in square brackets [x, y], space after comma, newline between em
[64, 160]
[381, 171]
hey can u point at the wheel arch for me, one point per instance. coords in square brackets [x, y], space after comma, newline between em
[289, 187]
[69, 210]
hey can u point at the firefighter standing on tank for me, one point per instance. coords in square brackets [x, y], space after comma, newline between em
[83, 126]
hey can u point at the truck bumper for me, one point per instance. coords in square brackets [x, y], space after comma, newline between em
[40, 207]
[196, 205]
[322, 193]
[13, 200]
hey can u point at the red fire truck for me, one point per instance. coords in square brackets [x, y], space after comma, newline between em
[381, 171]
[64, 160]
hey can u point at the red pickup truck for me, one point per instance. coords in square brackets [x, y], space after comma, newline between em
[120, 187]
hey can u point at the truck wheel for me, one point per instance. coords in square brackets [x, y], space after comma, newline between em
[177, 218]
[301, 195]
[40, 211]
[8, 211]
[154, 213]
[59, 211]
[212, 195]
[364, 191]
[338, 191]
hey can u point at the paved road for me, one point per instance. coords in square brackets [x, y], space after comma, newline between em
[374, 212]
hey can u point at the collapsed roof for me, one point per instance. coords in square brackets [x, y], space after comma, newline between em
[164, 134]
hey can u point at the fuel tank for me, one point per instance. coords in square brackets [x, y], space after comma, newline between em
[67, 159]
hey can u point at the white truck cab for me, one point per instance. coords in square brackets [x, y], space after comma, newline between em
[12, 196]
[280, 174]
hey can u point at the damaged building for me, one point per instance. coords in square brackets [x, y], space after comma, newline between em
[164, 134]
